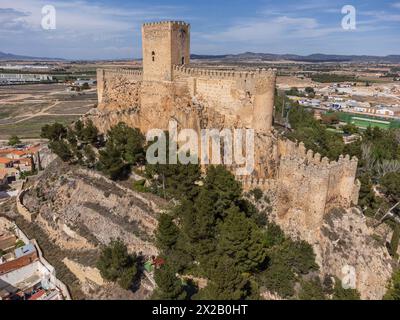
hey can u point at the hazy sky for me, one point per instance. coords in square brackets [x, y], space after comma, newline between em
[101, 29]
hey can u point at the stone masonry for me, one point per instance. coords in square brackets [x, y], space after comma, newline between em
[169, 88]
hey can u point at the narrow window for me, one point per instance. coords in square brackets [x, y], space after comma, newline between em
[183, 60]
[153, 56]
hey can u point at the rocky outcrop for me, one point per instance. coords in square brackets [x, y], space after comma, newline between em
[84, 273]
[344, 241]
[82, 209]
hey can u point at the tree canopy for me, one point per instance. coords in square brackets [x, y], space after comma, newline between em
[117, 265]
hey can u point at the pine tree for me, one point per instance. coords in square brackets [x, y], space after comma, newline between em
[390, 184]
[312, 290]
[116, 264]
[340, 293]
[278, 278]
[90, 156]
[393, 292]
[169, 287]
[227, 190]
[176, 181]
[242, 240]
[61, 149]
[54, 132]
[79, 126]
[111, 163]
[225, 283]
[14, 140]
[89, 133]
[297, 255]
[167, 233]
[199, 224]
[274, 235]
[129, 141]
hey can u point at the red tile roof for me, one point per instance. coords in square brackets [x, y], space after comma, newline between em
[6, 160]
[12, 151]
[37, 295]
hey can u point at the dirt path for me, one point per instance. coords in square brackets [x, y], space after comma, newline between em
[44, 112]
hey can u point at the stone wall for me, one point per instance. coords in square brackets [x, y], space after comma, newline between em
[200, 98]
[118, 88]
[243, 99]
[246, 97]
[164, 44]
[338, 177]
[307, 183]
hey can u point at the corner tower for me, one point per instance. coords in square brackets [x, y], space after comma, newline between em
[165, 44]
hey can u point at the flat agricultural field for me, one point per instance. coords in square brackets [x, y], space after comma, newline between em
[24, 109]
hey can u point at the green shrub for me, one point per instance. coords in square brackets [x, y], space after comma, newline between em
[139, 186]
[115, 264]
[256, 193]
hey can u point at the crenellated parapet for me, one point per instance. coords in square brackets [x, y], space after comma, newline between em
[317, 180]
[291, 150]
[222, 74]
[168, 22]
[250, 182]
[121, 72]
[249, 93]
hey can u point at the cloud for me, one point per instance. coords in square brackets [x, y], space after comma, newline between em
[105, 29]
[12, 19]
[301, 30]
[272, 29]
[89, 26]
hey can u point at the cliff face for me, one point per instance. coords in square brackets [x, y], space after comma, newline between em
[305, 187]
[81, 209]
[345, 240]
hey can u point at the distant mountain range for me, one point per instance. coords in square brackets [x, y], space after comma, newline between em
[251, 56]
[318, 57]
[14, 57]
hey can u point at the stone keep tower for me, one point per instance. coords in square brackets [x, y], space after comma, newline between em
[165, 44]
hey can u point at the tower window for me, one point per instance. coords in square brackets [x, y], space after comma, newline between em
[153, 56]
[183, 60]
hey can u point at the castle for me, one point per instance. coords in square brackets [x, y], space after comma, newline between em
[168, 88]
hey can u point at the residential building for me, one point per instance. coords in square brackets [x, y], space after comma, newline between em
[24, 273]
[6, 163]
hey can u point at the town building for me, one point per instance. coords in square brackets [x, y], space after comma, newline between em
[24, 273]
[10, 78]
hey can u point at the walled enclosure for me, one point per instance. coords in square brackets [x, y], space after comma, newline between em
[168, 88]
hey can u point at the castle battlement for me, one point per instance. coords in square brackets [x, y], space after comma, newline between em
[122, 71]
[170, 87]
[167, 22]
[332, 181]
[221, 74]
[250, 182]
[292, 150]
